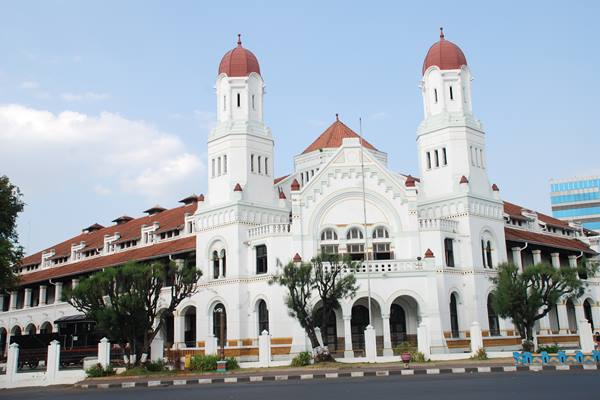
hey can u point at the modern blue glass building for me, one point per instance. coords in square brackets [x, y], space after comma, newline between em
[577, 199]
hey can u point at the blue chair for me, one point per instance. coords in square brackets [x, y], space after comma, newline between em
[562, 357]
[545, 357]
[579, 356]
[526, 358]
[596, 355]
[517, 357]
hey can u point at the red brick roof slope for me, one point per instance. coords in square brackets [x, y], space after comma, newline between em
[518, 235]
[516, 210]
[333, 137]
[94, 264]
[168, 220]
[277, 180]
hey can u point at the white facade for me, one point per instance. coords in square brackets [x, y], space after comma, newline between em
[433, 243]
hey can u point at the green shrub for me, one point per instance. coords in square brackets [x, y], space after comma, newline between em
[480, 355]
[552, 348]
[405, 347]
[155, 366]
[417, 356]
[203, 363]
[302, 359]
[232, 363]
[96, 371]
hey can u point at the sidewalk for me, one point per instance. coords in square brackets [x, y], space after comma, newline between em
[331, 371]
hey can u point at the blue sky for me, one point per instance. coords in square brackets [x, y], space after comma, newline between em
[105, 106]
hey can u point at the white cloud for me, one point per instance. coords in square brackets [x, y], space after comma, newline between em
[72, 148]
[84, 96]
[29, 85]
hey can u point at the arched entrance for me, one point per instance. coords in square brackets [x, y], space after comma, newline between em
[220, 320]
[360, 320]
[189, 326]
[46, 328]
[587, 312]
[262, 313]
[454, 329]
[493, 321]
[167, 330]
[329, 330]
[3, 342]
[571, 316]
[404, 319]
[397, 324]
[30, 329]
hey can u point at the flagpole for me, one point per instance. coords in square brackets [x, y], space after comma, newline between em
[364, 195]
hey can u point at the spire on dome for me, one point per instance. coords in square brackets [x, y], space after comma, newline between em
[441, 33]
[239, 43]
[337, 116]
[444, 54]
[239, 61]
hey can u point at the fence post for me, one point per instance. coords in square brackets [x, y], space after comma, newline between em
[104, 352]
[12, 359]
[476, 337]
[157, 348]
[586, 338]
[264, 349]
[370, 344]
[211, 346]
[53, 361]
[423, 340]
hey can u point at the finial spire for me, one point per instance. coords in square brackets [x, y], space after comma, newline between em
[337, 117]
[441, 32]
[239, 39]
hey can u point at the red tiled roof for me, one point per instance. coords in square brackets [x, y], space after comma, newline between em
[128, 231]
[239, 62]
[515, 210]
[445, 55]
[333, 137]
[518, 235]
[277, 180]
[94, 264]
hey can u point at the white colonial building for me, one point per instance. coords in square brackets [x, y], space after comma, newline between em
[432, 242]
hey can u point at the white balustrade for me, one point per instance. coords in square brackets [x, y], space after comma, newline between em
[268, 230]
[438, 224]
[381, 266]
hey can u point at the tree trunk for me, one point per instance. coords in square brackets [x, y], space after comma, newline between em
[312, 336]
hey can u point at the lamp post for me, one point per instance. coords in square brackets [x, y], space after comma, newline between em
[221, 364]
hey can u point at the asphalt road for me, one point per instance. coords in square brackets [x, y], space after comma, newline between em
[520, 385]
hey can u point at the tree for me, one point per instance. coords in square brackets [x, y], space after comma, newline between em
[331, 281]
[528, 296]
[126, 301]
[11, 252]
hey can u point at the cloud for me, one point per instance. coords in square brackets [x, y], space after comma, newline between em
[29, 85]
[84, 96]
[72, 148]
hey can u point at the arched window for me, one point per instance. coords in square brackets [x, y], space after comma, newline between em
[381, 244]
[220, 323]
[251, 162]
[397, 324]
[488, 254]
[46, 328]
[189, 326]
[259, 164]
[263, 317]
[225, 164]
[215, 260]
[449, 252]
[261, 259]
[329, 242]
[454, 316]
[435, 95]
[493, 322]
[266, 165]
[355, 246]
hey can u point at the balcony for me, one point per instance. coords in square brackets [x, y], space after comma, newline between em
[385, 267]
[268, 230]
[438, 224]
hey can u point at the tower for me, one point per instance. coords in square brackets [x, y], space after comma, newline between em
[240, 147]
[450, 140]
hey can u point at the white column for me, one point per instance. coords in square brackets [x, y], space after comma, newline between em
[579, 314]
[476, 337]
[596, 317]
[264, 349]
[370, 344]
[586, 337]
[387, 337]
[211, 346]
[221, 275]
[58, 292]
[555, 259]
[12, 362]
[13, 300]
[537, 256]
[423, 340]
[104, 352]
[516, 253]
[157, 348]
[573, 261]
[53, 361]
[563, 319]
[545, 325]
[178, 330]
[42, 295]
[348, 352]
[27, 301]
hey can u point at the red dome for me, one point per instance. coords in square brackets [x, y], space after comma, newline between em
[239, 62]
[444, 55]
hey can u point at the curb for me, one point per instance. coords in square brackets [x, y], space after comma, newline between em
[335, 375]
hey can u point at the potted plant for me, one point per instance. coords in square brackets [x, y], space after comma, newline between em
[406, 357]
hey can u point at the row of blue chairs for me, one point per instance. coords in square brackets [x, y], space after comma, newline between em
[527, 358]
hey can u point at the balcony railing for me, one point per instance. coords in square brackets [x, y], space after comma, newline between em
[438, 224]
[380, 267]
[268, 230]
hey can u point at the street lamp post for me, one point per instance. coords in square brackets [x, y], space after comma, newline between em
[221, 364]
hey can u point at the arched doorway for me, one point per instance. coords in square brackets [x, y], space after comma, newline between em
[397, 325]
[3, 340]
[493, 321]
[571, 316]
[587, 312]
[329, 330]
[263, 316]
[15, 331]
[167, 330]
[189, 326]
[358, 323]
[46, 328]
[30, 329]
[220, 320]
[454, 329]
